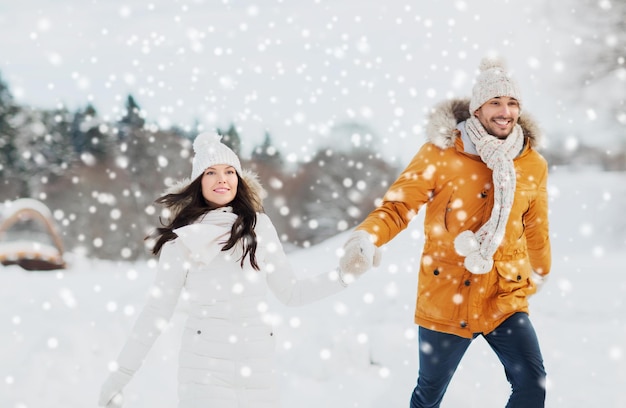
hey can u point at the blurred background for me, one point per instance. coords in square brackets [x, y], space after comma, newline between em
[326, 100]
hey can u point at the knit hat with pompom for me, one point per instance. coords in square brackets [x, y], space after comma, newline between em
[209, 151]
[493, 81]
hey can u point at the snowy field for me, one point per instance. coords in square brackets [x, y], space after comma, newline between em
[58, 331]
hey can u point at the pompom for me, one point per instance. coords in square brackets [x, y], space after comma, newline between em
[205, 140]
[478, 265]
[490, 63]
[465, 243]
[209, 151]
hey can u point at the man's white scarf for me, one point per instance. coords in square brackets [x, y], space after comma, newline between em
[498, 154]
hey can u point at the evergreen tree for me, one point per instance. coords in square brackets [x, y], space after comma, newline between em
[10, 161]
[44, 148]
[85, 133]
[267, 155]
[9, 155]
[57, 150]
[133, 118]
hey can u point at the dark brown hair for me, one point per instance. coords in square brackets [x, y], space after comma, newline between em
[193, 205]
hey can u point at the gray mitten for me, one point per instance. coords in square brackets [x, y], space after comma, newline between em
[111, 391]
[360, 254]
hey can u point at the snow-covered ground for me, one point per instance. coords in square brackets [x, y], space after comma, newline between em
[59, 330]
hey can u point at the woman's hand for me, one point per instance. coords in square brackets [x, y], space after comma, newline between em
[111, 391]
[359, 255]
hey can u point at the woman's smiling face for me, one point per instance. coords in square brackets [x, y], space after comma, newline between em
[219, 184]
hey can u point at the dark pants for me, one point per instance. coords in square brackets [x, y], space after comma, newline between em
[514, 342]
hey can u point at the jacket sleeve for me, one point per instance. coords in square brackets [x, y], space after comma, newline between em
[537, 229]
[162, 300]
[402, 201]
[281, 279]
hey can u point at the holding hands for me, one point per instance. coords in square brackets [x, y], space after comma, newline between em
[360, 254]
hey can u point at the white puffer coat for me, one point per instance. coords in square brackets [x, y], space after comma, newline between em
[227, 349]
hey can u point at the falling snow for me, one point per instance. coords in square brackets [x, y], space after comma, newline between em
[301, 69]
[358, 348]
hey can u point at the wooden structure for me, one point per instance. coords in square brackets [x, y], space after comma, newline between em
[30, 251]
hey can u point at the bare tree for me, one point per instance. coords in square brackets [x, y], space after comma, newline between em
[598, 62]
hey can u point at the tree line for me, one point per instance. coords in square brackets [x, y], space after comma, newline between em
[100, 178]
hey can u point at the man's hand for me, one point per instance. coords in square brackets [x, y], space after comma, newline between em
[538, 279]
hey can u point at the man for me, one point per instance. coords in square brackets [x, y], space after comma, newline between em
[486, 237]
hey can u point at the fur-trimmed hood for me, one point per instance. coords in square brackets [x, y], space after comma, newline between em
[248, 176]
[441, 128]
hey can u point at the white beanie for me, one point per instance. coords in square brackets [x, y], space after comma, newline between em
[209, 151]
[493, 81]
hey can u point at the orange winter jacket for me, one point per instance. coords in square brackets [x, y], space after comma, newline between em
[449, 178]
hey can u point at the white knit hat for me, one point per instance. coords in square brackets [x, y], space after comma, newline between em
[209, 151]
[493, 81]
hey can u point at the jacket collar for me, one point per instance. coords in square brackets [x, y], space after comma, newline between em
[442, 124]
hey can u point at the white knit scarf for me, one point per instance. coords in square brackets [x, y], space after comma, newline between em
[205, 238]
[498, 154]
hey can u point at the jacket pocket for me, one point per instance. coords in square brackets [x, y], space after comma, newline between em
[514, 285]
[441, 293]
[466, 211]
[521, 206]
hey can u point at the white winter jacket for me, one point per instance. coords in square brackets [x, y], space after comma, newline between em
[227, 349]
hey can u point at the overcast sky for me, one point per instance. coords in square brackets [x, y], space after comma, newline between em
[295, 68]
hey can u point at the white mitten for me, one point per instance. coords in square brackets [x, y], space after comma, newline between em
[538, 279]
[111, 391]
[360, 254]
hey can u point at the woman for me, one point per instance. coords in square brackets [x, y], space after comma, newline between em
[221, 248]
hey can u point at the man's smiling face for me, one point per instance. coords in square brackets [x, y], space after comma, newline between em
[499, 115]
